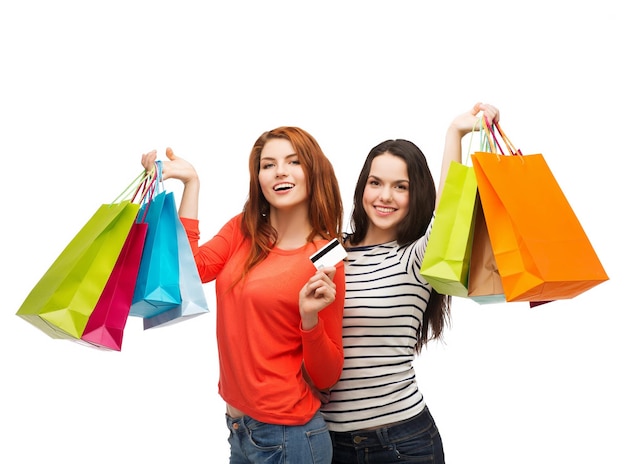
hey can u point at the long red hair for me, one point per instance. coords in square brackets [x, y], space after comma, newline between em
[325, 205]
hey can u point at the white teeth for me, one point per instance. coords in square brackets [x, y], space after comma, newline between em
[385, 210]
[283, 186]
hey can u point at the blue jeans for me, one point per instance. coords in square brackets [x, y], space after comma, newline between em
[412, 440]
[252, 441]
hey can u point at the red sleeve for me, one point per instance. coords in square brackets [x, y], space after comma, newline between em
[322, 345]
[212, 255]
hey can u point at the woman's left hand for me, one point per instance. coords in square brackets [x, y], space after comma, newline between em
[466, 122]
[316, 294]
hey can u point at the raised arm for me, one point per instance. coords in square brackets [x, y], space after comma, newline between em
[459, 127]
[178, 168]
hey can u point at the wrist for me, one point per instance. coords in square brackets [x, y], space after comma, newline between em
[309, 321]
[192, 180]
[457, 132]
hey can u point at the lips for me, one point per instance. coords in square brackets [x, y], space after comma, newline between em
[283, 186]
[384, 209]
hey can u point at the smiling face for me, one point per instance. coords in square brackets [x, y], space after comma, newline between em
[386, 197]
[281, 177]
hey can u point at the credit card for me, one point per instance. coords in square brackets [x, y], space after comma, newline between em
[329, 255]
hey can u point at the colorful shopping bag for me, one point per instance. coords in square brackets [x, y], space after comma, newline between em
[540, 247]
[191, 290]
[105, 327]
[445, 265]
[484, 282]
[62, 301]
[157, 288]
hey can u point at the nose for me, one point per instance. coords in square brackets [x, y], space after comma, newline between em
[385, 194]
[281, 170]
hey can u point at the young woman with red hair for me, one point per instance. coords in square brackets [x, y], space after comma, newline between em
[278, 318]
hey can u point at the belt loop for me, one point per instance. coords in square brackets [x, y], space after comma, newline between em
[383, 435]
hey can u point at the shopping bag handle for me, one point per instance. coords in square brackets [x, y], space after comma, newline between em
[151, 189]
[134, 186]
[487, 143]
[491, 135]
[512, 150]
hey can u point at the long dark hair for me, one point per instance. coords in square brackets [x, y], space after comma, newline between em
[422, 195]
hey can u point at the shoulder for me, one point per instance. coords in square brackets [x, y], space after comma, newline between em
[237, 220]
[233, 226]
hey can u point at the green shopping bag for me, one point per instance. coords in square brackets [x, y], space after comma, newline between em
[62, 301]
[446, 260]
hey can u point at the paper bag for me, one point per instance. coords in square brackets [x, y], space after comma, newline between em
[446, 260]
[541, 249]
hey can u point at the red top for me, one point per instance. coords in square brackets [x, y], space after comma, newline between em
[260, 341]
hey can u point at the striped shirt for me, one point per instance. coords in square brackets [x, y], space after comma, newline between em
[385, 300]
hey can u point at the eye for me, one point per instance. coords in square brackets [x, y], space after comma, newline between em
[267, 165]
[373, 182]
[402, 187]
[295, 161]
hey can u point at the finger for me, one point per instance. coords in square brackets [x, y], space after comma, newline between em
[477, 108]
[329, 271]
[326, 292]
[494, 113]
[324, 280]
[491, 113]
[148, 159]
[315, 287]
[170, 153]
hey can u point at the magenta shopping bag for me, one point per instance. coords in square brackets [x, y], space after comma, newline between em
[105, 327]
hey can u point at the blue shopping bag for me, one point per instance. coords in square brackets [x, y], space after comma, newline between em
[191, 290]
[157, 288]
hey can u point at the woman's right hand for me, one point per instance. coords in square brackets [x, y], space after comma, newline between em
[317, 293]
[175, 168]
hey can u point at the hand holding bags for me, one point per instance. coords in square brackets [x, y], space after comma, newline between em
[446, 261]
[86, 294]
[171, 288]
[540, 247]
[157, 288]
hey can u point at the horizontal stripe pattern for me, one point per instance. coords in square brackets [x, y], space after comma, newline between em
[385, 301]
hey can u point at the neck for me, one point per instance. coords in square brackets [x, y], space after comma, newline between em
[292, 225]
[376, 236]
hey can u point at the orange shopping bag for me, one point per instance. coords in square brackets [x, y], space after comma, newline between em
[541, 249]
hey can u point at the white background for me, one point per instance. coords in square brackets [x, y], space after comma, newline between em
[86, 87]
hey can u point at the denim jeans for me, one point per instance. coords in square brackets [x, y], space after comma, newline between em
[413, 440]
[252, 441]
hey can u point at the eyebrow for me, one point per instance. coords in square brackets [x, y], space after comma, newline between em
[372, 176]
[271, 158]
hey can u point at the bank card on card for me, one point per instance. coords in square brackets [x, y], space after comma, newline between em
[329, 255]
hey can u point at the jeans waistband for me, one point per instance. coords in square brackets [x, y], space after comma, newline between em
[365, 437]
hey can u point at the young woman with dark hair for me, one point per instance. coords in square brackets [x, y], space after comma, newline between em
[376, 412]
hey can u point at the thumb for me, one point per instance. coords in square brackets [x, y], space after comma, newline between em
[477, 108]
[170, 154]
